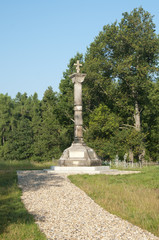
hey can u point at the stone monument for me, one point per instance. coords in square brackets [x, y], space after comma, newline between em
[78, 154]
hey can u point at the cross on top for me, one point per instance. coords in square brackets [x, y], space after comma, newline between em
[78, 65]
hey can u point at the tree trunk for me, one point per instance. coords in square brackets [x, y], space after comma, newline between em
[138, 128]
[131, 155]
[3, 140]
[137, 117]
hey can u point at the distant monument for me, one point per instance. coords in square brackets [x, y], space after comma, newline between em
[78, 154]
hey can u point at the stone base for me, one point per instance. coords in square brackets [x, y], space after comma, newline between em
[87, 170]
[79, 155]
[79, 170]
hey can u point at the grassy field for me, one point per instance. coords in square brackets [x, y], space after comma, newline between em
[132, 197]
[15, 222]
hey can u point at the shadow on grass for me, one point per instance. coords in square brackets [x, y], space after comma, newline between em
[12, 210]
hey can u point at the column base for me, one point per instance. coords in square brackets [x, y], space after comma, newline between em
[79, 154]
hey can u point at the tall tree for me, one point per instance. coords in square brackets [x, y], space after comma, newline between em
[125, 55]
[48, 141]
[6, 120]
[21, 137]
[19, 144]
[150, 119]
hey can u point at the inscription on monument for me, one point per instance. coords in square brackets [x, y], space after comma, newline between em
[76, 154]
[76, 163]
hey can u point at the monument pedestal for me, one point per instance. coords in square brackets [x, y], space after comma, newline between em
[79, 154]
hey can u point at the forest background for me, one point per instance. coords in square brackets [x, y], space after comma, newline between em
[120, 100]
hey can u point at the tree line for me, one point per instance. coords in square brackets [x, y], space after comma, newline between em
[120, 100]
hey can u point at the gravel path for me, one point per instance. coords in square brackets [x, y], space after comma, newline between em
[64, 212]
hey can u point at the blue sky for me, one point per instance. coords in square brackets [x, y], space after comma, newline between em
[38, 37]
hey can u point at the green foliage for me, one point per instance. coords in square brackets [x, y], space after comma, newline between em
[106, 137]
[6, 107]
[19, 144]
[47, 144]
[151, 122]
[129, 139]
[121, 66]
[103, 126]
[103, 122]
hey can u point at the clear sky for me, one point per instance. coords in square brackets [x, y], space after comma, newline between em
[39, 37]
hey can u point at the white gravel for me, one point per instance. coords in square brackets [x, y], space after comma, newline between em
[64, 212]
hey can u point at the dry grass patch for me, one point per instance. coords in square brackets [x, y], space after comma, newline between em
[132, 197]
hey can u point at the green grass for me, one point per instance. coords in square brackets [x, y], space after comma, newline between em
[132, 197]
[15, 222]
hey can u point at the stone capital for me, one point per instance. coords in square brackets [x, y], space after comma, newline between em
[78, 77]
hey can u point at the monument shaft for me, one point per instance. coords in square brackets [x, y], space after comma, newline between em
[78, 154]
[78, 126]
